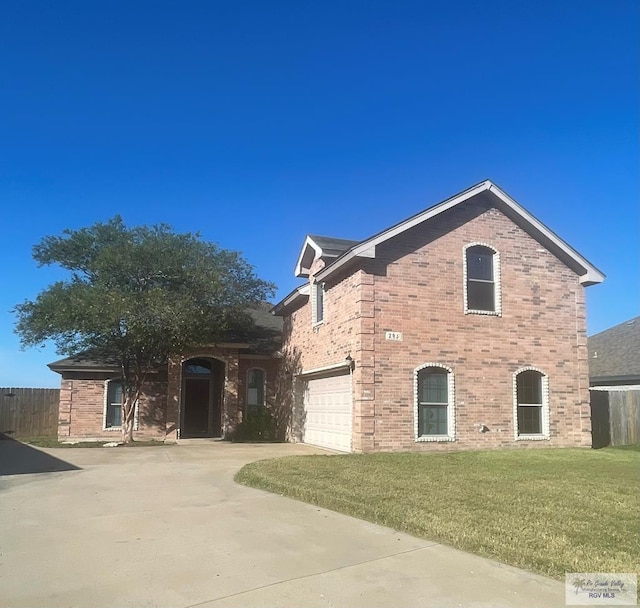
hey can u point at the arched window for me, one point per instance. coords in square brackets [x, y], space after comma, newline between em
[434, 403]
[531, 404]
[197, 367]
[482, 286]
[256, 380]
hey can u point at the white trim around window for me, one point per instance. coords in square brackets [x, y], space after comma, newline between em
[450, 433]
[541, 402]
[253, 391]
[495, 279]
[109, 386]
[317, 303]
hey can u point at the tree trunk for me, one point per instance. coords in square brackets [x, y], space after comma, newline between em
[131, 391]
[128, 419]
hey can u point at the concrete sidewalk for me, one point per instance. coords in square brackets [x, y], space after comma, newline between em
[168, 526]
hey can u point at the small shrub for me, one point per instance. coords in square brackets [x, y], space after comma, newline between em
[259, 425]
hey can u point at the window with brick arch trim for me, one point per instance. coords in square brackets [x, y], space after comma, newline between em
[482, 279]
[531, 402]
[256, 383]
[434, 403]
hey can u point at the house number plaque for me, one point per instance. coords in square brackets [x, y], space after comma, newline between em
[394, 336]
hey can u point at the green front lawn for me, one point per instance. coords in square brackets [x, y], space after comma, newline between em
[52, 442]
[550, 511]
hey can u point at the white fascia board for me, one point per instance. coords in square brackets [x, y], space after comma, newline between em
[591, 276]
[308, 243]
[367, 248]
[299, 292]
[327, 368]
[368, 253]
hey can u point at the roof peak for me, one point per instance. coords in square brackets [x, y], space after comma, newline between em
[588, 273]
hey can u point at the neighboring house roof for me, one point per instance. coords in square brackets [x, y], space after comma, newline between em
[485, 191]
[614, 354]
[263, 337]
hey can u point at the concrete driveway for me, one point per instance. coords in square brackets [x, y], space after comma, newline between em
[167, 526]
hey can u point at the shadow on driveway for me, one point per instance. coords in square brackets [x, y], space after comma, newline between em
[18, 458]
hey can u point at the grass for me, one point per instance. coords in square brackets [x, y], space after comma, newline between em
[550, 511]
[52, 442]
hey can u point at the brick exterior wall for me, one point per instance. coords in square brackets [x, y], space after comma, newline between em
[82, 407]
[415, 285]
[230, 406]
[82, 398]
[271, 368]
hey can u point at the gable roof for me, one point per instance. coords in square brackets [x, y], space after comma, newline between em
[487, 191]
[614, 354]
[588, 273]
[323, 247]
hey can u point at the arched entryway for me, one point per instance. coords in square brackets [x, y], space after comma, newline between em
[201, 406]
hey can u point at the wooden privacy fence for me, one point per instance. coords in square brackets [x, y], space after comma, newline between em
[615, 417]
[29, 412]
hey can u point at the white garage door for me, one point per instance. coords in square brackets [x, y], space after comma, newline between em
[328, 412]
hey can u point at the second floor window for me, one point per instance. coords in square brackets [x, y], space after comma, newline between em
[481, 281]
[317, 303]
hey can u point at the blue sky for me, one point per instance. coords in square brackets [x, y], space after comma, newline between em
[257, 122]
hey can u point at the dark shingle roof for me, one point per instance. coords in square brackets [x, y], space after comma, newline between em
[263, 337]
[84, 361]
[614, 354]
[332, 247]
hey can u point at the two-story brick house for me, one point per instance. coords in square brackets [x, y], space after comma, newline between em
[461, 327]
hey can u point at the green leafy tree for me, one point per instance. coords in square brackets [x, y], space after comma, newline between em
[136, 296]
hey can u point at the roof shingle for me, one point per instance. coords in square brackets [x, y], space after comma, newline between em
[614, 354]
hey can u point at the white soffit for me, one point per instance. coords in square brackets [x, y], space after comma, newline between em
[299, 292]
[309, 245]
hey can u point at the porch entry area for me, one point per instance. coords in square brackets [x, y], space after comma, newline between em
[201, 404]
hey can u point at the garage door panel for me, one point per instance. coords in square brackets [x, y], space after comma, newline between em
[328, 412]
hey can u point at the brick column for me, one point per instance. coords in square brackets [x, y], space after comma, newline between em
[230, 402]
[174, 383]
[64, 408]
[364, 372]
[582, 372]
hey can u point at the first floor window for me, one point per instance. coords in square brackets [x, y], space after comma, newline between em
[433, 402]
[255, 390]
[113, 414]
[530, 399]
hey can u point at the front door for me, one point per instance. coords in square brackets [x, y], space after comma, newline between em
[202, 398]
